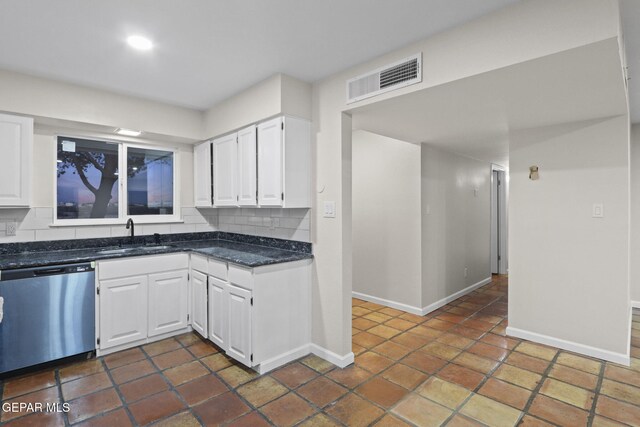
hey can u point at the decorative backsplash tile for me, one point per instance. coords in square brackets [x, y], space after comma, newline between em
[293, 224]
[35, 225]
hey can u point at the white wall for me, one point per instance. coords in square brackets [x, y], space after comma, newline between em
[39, 97]
[386, 218]
[568, 272]
[635, 215]
[277, 95]
[456, 224]
[523, 31]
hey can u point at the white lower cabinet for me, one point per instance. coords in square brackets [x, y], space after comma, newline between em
[218, 308]
[230, 319]
[258, 316]
[123, 311]
[239, 324]
[141, 299]
[199, 311]
[168, 308]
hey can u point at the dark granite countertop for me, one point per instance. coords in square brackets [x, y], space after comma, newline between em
[249, 251]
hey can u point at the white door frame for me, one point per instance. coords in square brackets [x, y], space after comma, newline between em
[501, 199]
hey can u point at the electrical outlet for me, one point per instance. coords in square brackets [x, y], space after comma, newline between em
[12, 228]
[466, 272]
[598, 210]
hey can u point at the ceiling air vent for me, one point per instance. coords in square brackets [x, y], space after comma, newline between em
[390, 77]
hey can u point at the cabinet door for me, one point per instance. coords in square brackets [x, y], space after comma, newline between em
[239, 322]
[225, 165]
[202, 174]
[247, 195]
[123, 311]
[16, 141]
[199, 303]
[218, 303]
[168, 305]
[270, 163]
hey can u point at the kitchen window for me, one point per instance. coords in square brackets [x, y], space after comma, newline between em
[92, 186]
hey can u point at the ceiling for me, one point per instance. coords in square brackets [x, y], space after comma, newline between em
[631, 31]
[476, 116]
[208, 50]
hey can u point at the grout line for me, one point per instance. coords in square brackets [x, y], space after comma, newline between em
[434, 315]
[171, 388]
[494, 304]
[536, 391]
[65, 416]
[125, 406]
[596, 392]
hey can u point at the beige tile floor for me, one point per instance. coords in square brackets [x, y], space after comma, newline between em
[453, 367]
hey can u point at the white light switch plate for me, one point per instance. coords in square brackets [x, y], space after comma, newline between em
[598, 210]
[329, 210]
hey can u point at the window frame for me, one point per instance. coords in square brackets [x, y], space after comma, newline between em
[123, 217]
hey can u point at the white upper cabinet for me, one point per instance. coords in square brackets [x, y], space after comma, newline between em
[247, 192]
[264, 165]
[202, 175]
[225, 167]
[270, 157]
[16, 146]
[284, 163]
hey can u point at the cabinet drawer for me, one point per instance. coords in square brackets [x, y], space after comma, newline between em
[218, 269]
[136, 266]
[199, 263]
[240, 276]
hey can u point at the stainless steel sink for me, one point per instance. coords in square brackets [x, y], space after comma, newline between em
[116, 251]
[133, 249]
[154, 248]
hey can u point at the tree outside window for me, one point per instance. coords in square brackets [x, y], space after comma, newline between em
[88, 180]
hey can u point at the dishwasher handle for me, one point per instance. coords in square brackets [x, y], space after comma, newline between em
[49, 271]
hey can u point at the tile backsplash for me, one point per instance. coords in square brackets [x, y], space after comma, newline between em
[35, 224]
[292, 224]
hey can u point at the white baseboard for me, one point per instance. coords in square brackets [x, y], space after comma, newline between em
[424, 310]
[282, 359]
[388, 303]
[622, 359]
[330, 356]
[444, 301]
[635, 304]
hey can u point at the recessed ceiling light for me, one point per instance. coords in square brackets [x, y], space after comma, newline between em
[128, 132]
[139, 42]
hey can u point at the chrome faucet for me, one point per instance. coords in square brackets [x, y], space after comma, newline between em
[132, 226]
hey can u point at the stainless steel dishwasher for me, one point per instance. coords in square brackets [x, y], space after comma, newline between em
[46, 313]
